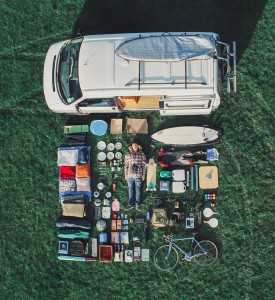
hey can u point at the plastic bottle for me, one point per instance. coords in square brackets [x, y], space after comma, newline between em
[115, 205]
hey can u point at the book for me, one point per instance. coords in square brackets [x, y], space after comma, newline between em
[128, 256]
[115, 237]
[124, 237]
[63, 247]
[145, 254]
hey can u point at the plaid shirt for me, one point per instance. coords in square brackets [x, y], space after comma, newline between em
[135, 164]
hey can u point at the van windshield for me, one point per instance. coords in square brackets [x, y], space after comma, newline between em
[68, 72]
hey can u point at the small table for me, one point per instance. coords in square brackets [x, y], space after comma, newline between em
[208, 177]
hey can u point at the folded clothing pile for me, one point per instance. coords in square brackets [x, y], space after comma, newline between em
[73, 240]
[74, 196]
[74, 208]
[74, 170]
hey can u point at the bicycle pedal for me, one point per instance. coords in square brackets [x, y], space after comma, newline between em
[188, 258]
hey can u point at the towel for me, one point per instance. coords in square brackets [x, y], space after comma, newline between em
[83, 184]
[67, 157]
[67, 185]
[83, 170]
[67, 172]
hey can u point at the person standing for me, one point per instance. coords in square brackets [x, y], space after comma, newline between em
[135, 171]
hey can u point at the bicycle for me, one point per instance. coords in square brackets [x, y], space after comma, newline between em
[166, 257]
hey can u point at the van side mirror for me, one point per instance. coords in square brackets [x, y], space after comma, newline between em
[79, 32]
[78, 109]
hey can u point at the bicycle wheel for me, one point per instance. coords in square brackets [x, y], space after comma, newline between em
[164, 263]
[210, 255]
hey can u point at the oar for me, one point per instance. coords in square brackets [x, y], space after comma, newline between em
[212, 222]
[208, 212]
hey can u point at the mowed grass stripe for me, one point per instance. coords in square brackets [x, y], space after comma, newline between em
[242, 200]
[43, 41]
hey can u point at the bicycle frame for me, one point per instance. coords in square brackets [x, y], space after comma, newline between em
[189, 255]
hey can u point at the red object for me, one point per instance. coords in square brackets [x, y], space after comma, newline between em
[113, 187]
[160, 154]
[67, 172]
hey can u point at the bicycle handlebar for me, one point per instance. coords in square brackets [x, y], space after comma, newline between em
[167, 238]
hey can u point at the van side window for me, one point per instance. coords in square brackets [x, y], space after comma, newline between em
[96, 102]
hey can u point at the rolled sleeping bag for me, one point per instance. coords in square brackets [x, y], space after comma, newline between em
[73, 223]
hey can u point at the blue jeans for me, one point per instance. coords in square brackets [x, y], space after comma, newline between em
[134, 185]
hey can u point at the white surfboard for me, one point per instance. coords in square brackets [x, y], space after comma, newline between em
[187, 135]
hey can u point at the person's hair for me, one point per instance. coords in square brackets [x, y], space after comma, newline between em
[131, 148]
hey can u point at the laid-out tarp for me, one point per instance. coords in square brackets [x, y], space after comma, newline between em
[170, 48]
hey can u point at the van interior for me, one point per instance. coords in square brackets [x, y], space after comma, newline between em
[138, 102]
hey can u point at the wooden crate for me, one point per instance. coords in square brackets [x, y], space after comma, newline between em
[105, 253]
[116, 126]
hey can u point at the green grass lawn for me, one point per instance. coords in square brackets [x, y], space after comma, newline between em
[30, 135]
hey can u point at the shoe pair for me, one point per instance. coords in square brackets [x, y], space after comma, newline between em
[129, 207]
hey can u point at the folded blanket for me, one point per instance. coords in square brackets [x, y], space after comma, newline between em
[67, 172]
[72, 197]
[73, 209]
[83, 184]
[67, 157]
[67, 185]
[83, 170]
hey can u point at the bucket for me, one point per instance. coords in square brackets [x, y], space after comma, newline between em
[98, 127]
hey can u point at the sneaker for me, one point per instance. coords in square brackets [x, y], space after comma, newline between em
[129, 207]
[138, 207]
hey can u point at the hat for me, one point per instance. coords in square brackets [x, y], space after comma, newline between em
[135, 141]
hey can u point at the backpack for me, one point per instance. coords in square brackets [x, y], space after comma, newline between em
[159, 217]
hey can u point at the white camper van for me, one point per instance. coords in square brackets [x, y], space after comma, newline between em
[175, 73]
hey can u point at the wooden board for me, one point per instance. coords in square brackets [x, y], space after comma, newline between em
[151, 176]
[116, 126]
[137, 126]
[208, 177]
[142, 102]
